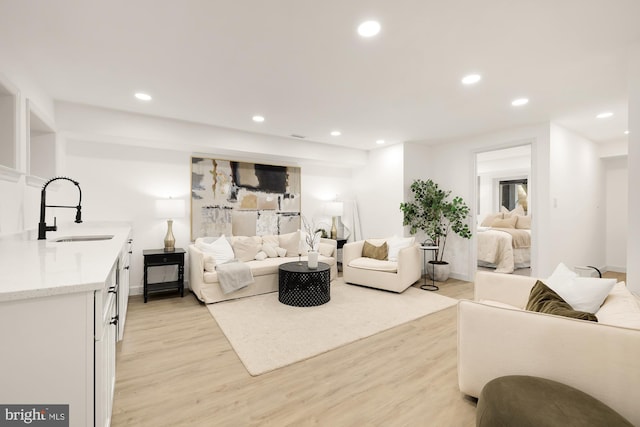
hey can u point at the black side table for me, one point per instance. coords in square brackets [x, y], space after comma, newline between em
[340, 243]
[160, 258]
[301, 286]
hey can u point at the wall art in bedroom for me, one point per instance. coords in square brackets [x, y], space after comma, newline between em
[243, 199]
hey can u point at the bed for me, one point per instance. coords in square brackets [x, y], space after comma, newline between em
[504, 249]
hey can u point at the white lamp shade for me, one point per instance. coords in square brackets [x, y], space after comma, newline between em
[334, 208]
[169, 208]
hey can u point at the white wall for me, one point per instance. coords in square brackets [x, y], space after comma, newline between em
[121, 182]
[633, 235]
[616, 210]
[379, 190]
[578, 200]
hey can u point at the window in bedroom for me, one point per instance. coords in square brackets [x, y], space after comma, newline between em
[513, 192]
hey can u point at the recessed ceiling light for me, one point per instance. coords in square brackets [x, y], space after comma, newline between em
[380, 141]
[258, 119]
[369, 28]
[626, 132]
[604, 115]
[143, 96]
[471, 79]
[519, 102]
[336, 133]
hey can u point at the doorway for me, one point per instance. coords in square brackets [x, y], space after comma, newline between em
[503, 221]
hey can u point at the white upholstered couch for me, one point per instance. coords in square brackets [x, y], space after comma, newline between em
[395, 274]
[497, 337]
[204, 284]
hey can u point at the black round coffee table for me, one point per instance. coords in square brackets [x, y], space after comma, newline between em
[301, 286]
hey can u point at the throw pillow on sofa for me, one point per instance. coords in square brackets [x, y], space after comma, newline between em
[270, 250]
[396, 244]
[246, 248]
[369, 250]
[543, 299]
[290, 242]
[220, 249]
[582, 293]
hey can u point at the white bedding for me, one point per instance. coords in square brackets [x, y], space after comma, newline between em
[495, 250]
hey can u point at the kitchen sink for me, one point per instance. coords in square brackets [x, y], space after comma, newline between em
[83, 238]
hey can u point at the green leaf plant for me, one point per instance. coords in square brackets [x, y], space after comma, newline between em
[433, 213]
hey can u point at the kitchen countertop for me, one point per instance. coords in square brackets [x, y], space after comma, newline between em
[31, 268]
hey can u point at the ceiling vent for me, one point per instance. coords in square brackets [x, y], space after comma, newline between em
[298, 136]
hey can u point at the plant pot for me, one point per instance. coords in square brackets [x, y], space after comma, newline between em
[312, 261]
[438, 270]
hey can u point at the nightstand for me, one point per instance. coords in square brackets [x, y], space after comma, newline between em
[160, 258]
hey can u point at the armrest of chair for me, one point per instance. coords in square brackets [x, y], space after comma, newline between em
[333, 243]
[409, 262]
[507, 288]
[196, 266]
[351, 251]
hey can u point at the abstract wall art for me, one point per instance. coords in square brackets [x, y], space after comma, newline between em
[243, 199]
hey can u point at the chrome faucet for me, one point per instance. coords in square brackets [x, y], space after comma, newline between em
[42, 225]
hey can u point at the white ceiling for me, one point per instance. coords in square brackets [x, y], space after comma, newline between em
[301, 64]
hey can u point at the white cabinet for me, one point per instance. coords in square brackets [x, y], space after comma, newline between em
[123, 285]
[59, 347]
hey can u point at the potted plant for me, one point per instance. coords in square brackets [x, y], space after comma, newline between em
[435, 214]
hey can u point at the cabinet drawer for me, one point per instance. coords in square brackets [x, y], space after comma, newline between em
[163, 259]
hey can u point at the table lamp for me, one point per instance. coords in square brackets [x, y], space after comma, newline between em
[334, 209]
[169, 209]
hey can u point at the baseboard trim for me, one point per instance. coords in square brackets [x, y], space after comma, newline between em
[615, 269]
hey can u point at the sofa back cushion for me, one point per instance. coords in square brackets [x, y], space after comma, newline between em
[220, 249]
[290, 242]
[544, 300]
[246, 248]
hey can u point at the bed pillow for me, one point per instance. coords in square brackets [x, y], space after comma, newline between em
[523, 222]
[518, 210]
[490, 218]
[395, 244]
[582, 293]
[543, 299]
[220, 249]
[505, 223]
[376, 252]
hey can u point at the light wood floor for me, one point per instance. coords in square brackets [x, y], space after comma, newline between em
[176, 368]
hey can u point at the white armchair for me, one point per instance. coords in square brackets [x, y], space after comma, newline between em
[395, 276]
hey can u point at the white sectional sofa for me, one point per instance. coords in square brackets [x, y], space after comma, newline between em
[497, 337]
[203, 279]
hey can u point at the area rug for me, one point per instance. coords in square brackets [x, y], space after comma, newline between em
[268, 335]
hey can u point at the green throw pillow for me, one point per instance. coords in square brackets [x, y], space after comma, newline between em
[375, 252]
[543, 299]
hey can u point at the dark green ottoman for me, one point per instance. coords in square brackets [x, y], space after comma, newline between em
[525, 401]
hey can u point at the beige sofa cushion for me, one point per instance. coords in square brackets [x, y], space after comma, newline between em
[620, 308]
[246, 248]
[374, 264]
[290, 242]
